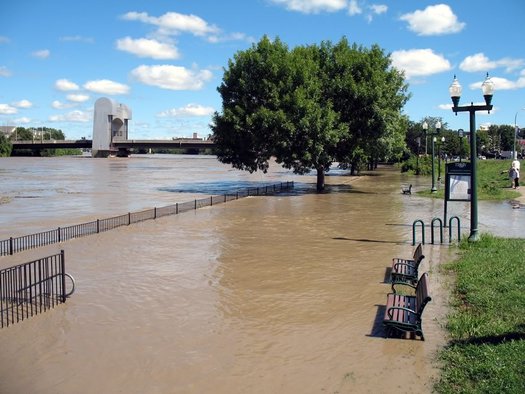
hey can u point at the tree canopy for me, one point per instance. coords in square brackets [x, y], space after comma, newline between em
[309, 107]
[5, 146]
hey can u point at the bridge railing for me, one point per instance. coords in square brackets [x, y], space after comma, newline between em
[61, 234]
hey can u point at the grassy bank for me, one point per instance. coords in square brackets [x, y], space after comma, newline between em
[486, 353]
[493, 182]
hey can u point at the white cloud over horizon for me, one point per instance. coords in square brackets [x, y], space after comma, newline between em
[172, 23]
[189, 110]
[5, 72]
[105, 86]
[6, 109]
[480, 62]
[23, 104]
[65, 85]
[171, 77]
[419, 62]
[434, 20]
[41, 54]
[314, 6]
[143, 47]
[503, 83]
[77, 98]
[73, 116]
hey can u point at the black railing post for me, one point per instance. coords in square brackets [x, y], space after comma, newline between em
[11, 245]
[59, 237]
[98, 226]
[154, 212]
[63, 273]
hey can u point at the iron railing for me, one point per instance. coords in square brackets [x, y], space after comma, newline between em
[32, 288]
[61, 234]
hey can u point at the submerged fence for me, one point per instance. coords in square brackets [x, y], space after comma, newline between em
[61, 234]
[32, 288]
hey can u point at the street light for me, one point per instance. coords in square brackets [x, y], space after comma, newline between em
[438, 128]
[514, 153]
[455, 93]
[461, 134]
[418, 140]
[439, 157]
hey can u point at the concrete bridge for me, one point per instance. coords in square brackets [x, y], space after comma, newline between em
[111, 135]
[122, 146]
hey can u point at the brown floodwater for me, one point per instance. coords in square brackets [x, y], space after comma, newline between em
[270, 294]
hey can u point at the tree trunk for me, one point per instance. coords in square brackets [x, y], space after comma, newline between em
[320, 179]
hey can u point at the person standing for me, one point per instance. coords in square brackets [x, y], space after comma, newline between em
[516, 166]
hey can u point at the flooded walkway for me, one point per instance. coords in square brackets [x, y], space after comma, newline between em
[279, 294]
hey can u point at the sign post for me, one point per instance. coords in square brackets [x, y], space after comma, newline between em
[458, 184]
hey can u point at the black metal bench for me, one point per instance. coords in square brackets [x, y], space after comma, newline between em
[404, 312]
[406, 270]
[407, 190]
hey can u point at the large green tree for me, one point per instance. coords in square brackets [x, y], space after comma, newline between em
[309, 107]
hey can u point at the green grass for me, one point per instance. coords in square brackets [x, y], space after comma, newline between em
[492, 183]
[486, 353]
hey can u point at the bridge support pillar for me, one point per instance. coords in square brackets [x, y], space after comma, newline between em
[110, 124]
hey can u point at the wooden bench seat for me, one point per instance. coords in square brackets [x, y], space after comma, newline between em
[403, 312]
[406, 270]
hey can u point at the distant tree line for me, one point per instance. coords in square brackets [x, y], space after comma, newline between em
[38, 134]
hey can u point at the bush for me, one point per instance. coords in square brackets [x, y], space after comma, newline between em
[5, 146]
[423, 166]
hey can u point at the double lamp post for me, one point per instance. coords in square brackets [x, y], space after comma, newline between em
[432, 136]
[455, 93]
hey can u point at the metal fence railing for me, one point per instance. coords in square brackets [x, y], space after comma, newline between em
[32, 288]
[61, 234]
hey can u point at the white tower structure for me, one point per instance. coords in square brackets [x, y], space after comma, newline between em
[110, 123]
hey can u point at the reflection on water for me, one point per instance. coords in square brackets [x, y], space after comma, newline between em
[260, 295]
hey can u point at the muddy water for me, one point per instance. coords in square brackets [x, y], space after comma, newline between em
[279, 294]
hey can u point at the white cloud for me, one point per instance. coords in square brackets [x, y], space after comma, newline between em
[503, 83]
[419, 62]
[58, 105]
[73, 116]
[353, 8]
[41, 54]
[171, 77]
[65, 85]
[480, 62]
[23, 104]
[4, 72]
[379, 8]
[189, 110]
[174, 23]
[23, 120]
[87, 40]
[433, 20]
[105, 86]
[6, 109]
[313, 6]
[78, 98]
[143, 47]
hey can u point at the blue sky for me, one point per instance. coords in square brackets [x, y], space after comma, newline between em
[165, 59]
